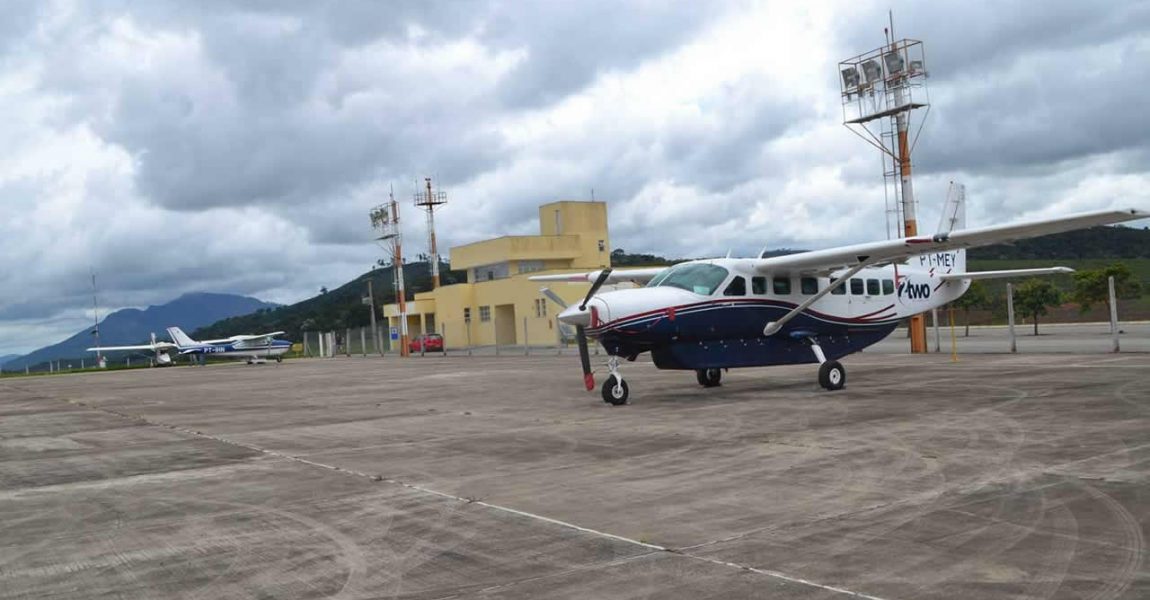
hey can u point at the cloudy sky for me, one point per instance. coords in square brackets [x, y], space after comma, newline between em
[237, 146]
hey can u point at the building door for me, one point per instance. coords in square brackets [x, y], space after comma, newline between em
[505, 325]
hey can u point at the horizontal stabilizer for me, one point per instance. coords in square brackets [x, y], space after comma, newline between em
[1006, 274]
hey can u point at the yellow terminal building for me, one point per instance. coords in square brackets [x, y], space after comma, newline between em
[499, 305]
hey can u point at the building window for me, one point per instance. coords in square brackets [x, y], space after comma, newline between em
[781, 286]
[530, 266]
[484, 313]
[540, 307]
[602, 245]
[887, 287]
[737, 287]
[809, 285]
[492, 272]
[467, 315]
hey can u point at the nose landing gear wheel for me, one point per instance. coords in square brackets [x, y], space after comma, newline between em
[709, 377]
[615, 392]
[832, 375]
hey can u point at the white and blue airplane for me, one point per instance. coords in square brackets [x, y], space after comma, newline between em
[253, 348]
[811, 307]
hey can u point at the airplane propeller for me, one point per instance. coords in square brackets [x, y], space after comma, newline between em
[580, 331]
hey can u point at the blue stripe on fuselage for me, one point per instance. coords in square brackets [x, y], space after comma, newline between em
[730, 334]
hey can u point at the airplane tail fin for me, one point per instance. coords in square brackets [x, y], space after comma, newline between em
[954, 219]
[181, 339]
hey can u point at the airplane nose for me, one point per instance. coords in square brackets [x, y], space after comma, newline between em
[582, 318]
[575, 317]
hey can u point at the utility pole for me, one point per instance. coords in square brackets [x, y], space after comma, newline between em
[100, 362]
[374, 328]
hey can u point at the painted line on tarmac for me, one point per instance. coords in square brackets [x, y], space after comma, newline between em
[465, 500]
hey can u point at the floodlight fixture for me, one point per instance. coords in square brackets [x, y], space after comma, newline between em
[850, 78]
[872, 71]
[894, 62]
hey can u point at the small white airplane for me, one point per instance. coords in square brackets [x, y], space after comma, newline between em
[819, 306]
[253, 348]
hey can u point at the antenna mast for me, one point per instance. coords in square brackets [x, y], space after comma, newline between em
[429, 201]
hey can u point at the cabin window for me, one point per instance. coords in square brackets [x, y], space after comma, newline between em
[839, 291]
[759, 285]
[857, 287]
[781, 285]
[872, 287]
[809, 285]
[737, 287]
[887, 287]
[700, 278]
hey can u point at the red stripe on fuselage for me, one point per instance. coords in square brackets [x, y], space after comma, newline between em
[864, 319]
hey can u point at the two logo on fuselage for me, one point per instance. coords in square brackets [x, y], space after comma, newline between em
[912, 291]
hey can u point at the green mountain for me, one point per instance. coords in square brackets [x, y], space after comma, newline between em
[335, 309]
[343, 307]
[1097, 242]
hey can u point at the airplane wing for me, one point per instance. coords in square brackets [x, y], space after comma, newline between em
[973, 275]
[244, 338]
[245, 341]
[640, 276]
[876, 253]
[156, 346]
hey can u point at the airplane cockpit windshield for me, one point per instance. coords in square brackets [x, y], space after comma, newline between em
[700, 278]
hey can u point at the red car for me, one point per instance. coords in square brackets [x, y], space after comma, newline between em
[431, 342]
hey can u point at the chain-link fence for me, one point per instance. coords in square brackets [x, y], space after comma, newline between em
[353, 341]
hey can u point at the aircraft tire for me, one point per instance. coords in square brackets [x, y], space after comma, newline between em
[709, 377]
[611, 395]
[832, 375]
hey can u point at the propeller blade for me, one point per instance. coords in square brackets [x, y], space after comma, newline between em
[585, 358]
[599, 281]
[553, 297]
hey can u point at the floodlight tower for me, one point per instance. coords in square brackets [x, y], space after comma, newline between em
[430, 200]
[880, 92]
[385, 220]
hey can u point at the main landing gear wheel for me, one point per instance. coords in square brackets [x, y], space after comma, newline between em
[615, 391]
[832, 375]
[709, 377]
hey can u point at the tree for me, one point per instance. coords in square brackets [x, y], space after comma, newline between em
[1094, 285]
[323, 290]
[1034, 296]
[976, 297]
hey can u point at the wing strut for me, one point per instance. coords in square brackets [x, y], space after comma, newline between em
[774, 326]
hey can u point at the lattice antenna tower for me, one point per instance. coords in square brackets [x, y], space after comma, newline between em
[429, 200]
[385, 221]
[882, 92]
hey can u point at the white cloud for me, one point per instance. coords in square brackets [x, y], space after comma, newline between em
[177, 146]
